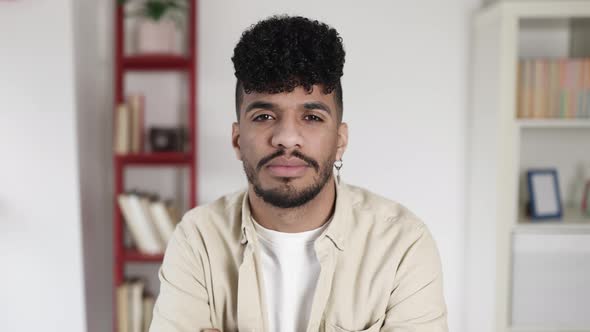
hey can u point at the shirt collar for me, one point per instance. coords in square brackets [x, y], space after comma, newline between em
[337, 230]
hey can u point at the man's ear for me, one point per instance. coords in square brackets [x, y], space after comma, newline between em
[235, 139]
[342, 140]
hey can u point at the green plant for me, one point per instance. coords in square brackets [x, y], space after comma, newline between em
[155, 10]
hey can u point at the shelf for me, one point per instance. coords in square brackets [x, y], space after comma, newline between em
[547, 329]
[553, 123]
[159, 158]
[572, 221]
[134, 256]
[156, 62]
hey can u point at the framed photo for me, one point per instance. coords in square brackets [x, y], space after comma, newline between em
[586, 199]
[545, 199]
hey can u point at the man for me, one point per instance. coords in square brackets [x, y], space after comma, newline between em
[298, 250]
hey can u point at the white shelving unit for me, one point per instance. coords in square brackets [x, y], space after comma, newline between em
[523, 275]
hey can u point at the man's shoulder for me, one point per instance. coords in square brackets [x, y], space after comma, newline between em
[370, 207]
[223, 212]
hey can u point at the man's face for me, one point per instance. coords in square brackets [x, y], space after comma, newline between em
[288, 143]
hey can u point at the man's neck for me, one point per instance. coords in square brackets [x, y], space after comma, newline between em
[307, 217]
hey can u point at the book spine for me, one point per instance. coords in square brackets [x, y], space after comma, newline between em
[562, 88]
[142, 123]
[163, 221]
[579, 89]
[571, 102]
[545, 89]
[136, 102]
[537, 70]
[122, 308]
[520, 92]
[148, 308]
[550, 84]
[137, 306]
[585, 88]
[122, 133]
[151, 223]
[530, 89]
[554, 89]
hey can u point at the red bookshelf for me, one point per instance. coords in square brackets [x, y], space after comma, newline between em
[138, 257]
[161, 158]
[158, 62]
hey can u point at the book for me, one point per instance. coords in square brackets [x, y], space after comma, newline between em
[538, 89]
[528, 89]
[521, 96]
[121, 140]
[173, 211]
[150, 218]
[585, 88]
[136, 305]
[123, 321]
[148, 309]
[136, 105]
[553, 89]
[162, 219]
[140, 227]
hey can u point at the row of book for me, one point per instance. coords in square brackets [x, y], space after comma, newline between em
[135, 306]
[129, 125]
[554, 88]
[150, 221]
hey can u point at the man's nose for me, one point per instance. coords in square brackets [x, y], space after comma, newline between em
[287, 135]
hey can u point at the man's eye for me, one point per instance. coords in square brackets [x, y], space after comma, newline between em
[262, 117]
[313, 117]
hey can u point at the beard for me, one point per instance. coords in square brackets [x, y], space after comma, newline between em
[286, 196]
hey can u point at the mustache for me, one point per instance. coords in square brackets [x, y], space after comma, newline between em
[310, 161]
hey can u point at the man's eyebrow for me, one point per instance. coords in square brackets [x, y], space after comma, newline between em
[260, 105]
[313, 105]
[316, 105]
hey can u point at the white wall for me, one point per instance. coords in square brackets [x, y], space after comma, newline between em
[405, 88]
[40, 242]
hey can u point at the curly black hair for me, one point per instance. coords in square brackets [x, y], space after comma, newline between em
[282, 52]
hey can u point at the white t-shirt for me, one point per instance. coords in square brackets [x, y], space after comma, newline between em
[290, 271]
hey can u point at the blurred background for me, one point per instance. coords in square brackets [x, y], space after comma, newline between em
[474, 114]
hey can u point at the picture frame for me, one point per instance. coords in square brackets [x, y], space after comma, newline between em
[544, 194]
[586, 199]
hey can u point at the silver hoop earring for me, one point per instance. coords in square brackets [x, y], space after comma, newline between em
[338, 164]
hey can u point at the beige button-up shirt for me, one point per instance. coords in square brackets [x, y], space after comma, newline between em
[380, 270]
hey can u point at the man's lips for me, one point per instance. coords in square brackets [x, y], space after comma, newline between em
[287, 171]
[282, 167]
[284, 162]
